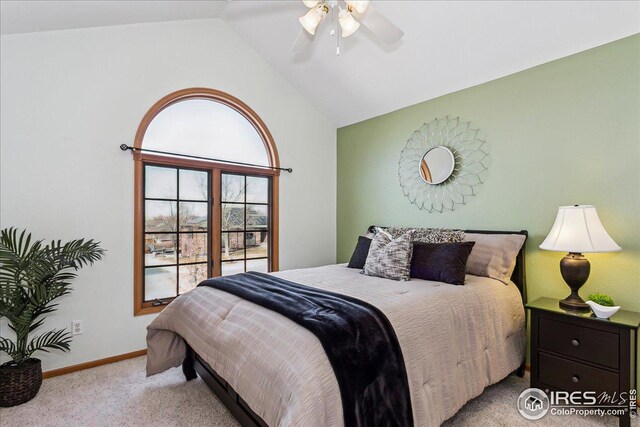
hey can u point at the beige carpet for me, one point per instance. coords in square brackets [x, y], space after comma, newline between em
[120, 395]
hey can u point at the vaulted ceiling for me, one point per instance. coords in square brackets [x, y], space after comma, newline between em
[447, 46]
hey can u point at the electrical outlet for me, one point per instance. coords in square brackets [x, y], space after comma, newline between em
[76, 327]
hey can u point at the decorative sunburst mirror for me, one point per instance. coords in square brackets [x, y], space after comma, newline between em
[443, 165]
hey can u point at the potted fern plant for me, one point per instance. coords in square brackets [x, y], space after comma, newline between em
[33, 275]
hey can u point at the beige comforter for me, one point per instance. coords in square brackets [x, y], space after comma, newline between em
[456, 340]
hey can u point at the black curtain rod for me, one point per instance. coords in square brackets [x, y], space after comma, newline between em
[125, 147]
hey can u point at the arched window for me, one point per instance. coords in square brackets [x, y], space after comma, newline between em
[196, 217]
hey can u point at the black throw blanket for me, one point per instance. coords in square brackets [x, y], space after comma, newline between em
[359, 340]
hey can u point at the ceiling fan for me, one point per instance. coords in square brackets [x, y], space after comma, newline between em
[346, 17]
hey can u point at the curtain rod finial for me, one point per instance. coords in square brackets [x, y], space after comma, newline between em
[124, 147]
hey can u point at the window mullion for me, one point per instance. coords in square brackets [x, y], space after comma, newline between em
[244, 226]
[216, 222]
[177, 232]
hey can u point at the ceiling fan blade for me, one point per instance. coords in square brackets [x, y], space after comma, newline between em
[303, 42]
[384, 29]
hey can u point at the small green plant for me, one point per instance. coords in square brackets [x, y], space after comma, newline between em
[602, 299]
[32, 277]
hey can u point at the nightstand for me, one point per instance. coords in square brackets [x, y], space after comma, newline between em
[573, 351]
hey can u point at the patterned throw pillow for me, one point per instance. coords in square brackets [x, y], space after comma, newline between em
[428, 235]
[388, 257]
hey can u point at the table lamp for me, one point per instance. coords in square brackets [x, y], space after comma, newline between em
[577, 230]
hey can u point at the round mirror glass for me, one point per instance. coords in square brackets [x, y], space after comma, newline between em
[437, 165]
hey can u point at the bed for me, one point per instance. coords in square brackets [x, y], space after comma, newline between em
[456, 340]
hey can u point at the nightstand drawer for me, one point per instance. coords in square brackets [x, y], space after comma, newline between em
[572, 376]
[592, 345]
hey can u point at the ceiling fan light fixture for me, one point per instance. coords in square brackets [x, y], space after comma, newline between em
[347, 23]
[360, 6]
[345, 14]
[312, 18]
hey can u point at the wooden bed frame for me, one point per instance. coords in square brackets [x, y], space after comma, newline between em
[194, 365]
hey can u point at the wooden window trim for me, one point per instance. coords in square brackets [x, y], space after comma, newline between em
[140, 307]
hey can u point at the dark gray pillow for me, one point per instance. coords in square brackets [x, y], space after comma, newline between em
[359, 256]
[440, 262]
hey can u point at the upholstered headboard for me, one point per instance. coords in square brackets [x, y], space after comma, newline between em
[518, 277]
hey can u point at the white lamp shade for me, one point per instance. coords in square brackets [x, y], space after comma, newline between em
[311, 20]
[310, 3]
[578, 229]
[347, 23]
[360, 6]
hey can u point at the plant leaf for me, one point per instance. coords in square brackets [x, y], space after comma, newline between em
[57, 339]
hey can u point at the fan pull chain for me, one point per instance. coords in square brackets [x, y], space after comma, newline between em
[334, 18]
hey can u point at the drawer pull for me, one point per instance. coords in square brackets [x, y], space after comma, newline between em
[575, 343]
[575, 378]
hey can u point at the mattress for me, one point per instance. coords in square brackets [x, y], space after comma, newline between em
[455, 340]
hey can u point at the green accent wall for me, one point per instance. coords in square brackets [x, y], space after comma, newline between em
[565, 132]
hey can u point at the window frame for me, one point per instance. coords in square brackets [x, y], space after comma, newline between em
[177, 232]
[215, 169]
[245, 231]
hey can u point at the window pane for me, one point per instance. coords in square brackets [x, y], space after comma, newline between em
[207, 128]
[160, 183]
[257, 189]
[261, 265]
[159, 282]
[194, 185]
[159, 249]
[191, 275]
[160, 216]
[232, 246]
[232, 267]
[232, 188]
[193, 216]
[232, 217]
[257, 244]
[193, 248]
[257, 217]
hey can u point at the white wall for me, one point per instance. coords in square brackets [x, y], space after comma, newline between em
[70, 98]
